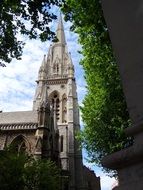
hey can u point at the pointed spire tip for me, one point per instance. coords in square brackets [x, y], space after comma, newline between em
[60, 30]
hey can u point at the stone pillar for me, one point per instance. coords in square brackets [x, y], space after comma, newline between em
[124, 19]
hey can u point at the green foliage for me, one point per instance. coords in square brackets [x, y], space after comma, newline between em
[25, 173]
[11, 171]
[41, 175]
[104, 110]
[27, 17]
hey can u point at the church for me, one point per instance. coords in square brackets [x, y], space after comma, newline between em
[49, 129]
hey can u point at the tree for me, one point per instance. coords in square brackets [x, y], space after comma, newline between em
[104, 109]
[41, 175]
[21, 172]
[12, 169]
[27, 17]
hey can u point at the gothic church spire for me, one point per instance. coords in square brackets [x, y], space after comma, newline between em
[60, 31]
[56, 65]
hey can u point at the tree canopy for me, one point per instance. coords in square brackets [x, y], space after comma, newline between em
[104, 110]
[21, 172]
[27, 17]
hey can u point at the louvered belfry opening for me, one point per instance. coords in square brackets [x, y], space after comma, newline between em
[55, 104]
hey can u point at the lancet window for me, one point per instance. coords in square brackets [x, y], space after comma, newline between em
[64, 108]
[55, 103]
[56, 66]
[62, 143]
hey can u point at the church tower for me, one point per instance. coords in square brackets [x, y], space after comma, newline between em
[57, 72]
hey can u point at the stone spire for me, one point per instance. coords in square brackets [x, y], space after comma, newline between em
[70, 67]
[42, 70]
[44, 98]
[44, 107]
[56, 65]
[60, 31]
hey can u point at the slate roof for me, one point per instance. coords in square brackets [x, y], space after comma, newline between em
[18, 117]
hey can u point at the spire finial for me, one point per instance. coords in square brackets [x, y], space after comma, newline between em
[60, 30]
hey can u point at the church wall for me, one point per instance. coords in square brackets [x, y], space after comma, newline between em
[61, 89]
[62, 125]
[2, 140]
[92, 182]
[6, 138]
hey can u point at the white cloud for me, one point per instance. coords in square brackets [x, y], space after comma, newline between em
[17, 85]
[106, 182]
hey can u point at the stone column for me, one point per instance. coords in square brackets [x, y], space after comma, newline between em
[124, 19]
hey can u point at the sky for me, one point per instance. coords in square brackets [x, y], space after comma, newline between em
[17, 82]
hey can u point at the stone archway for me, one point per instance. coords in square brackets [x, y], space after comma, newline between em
[20, 144]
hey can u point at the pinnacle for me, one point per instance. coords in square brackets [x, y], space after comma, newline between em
[60, 31]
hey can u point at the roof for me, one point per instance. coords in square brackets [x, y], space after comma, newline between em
[18, 117]
[25, 126]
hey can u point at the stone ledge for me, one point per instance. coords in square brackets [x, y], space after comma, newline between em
[123, 158]
[132, 131]
[134, 185]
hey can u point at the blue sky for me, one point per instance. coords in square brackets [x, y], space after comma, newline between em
[17, 86]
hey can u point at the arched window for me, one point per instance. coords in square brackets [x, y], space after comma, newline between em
[55, 103]
[64, 108]
[19, 144]
[56, 66]
[56, 142]
[62, 143]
